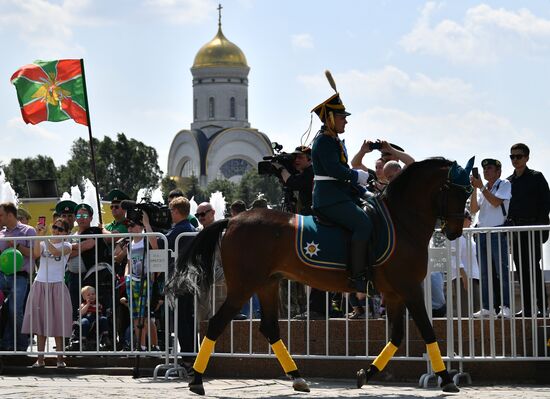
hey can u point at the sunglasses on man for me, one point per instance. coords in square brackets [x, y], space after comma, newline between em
[202, 214]
[82, 216]
[516, 156]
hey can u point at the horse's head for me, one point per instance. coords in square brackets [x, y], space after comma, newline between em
[452, 199]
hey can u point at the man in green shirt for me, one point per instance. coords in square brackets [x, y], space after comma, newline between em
[119, 224]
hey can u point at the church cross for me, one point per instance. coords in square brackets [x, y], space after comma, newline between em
[220, 15]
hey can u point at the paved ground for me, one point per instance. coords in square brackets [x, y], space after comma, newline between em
[55, 387]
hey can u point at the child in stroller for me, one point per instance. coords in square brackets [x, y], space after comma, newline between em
[91, 312]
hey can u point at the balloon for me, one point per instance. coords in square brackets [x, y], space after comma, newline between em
[7, 260]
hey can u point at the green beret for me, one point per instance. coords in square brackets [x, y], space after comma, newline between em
[84, 206]
[116, 196]
[66, 206]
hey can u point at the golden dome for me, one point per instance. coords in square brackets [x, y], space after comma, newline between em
[220, 52]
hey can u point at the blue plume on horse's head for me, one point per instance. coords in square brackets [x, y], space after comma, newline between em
[459, 175]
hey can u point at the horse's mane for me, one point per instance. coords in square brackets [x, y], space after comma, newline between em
[407, 176]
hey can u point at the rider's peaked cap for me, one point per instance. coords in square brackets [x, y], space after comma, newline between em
[491, 161]
[332, 104]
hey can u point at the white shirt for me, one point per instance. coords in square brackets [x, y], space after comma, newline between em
[52, 268]
[467, 257]
[489, 215]
[136, 260]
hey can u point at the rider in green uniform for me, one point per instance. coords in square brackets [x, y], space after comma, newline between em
[337, 188]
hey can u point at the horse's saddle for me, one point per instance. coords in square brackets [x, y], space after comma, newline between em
[323, 245]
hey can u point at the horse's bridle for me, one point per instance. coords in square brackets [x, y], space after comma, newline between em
[443, 202]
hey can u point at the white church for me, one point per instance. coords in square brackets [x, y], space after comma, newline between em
[220, 143]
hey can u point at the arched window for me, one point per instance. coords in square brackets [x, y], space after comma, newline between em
[232, 107]
[246, 108]
[234, 167]
[187, 169]
[211, 107]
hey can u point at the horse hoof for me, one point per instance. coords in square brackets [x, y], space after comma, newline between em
[300, 385]
[197, 388]
[361, 378]
[450, 387]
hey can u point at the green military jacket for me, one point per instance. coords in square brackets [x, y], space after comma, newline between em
[329, 158]
[118, 226]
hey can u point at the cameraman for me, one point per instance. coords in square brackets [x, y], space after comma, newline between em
[302, 182]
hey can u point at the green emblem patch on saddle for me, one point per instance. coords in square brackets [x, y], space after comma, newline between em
[323, 246]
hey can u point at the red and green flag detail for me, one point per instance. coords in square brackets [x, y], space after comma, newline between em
[51, 91]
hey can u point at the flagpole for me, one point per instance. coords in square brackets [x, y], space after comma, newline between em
[91, 141]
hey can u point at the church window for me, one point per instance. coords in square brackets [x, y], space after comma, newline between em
[234, 167]
[211, 107]
[187, 169]
[246, 108]
[195, 109]
[232, 107]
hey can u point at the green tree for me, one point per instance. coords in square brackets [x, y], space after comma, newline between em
[126, 164]
[226, 187]
[167, 184]
[18, 171]
[193, 189]
[252, 184]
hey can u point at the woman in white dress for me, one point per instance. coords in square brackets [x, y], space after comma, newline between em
[48, 312]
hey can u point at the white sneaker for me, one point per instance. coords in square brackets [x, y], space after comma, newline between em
[484, 313]
[504, 312]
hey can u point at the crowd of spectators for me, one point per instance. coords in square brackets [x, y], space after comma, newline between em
[64, 285]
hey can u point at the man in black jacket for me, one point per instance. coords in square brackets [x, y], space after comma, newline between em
[301, 182]
[530, 205]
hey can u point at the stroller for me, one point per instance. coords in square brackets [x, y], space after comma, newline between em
[103, 285]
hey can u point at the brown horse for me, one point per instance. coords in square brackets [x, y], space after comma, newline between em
[257, 250]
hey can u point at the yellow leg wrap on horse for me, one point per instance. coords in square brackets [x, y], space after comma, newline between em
[284, 357]
[205, 351]
[435, 357]
[384, 357]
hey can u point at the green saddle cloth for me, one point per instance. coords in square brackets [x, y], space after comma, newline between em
[319, 245]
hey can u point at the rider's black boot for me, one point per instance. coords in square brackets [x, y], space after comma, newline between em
[361, 270]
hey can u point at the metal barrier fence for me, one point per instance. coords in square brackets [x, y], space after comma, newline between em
[511, 280]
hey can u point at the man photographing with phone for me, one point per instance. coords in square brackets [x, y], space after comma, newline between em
[388, 152]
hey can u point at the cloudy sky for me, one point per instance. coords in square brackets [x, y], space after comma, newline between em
[451, 79]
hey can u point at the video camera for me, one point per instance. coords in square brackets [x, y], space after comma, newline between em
[266, 166]
[159, 214]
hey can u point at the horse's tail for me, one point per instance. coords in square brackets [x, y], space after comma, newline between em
[195, 267]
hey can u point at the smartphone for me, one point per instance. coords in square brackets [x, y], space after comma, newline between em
[42, 220]
[376, 145]
[475, 173]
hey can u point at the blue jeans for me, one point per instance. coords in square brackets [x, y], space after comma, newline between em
[438, 294]
[255, 307]
[16, 292]
[499, 268]
[74, 291]
[87, 322]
